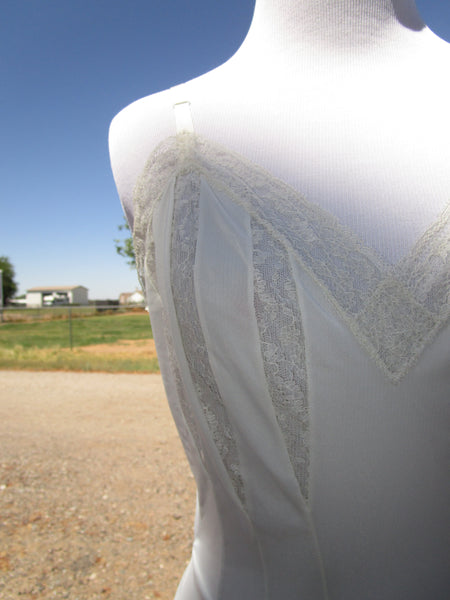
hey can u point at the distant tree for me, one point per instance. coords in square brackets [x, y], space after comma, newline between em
[8, 274]
[125, 247]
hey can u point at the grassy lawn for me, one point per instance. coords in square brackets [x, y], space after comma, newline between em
[104, 329]
[46, 344]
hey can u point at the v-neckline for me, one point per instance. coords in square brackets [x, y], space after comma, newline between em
[393, 310]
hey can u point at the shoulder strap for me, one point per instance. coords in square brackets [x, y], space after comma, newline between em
[183, 117]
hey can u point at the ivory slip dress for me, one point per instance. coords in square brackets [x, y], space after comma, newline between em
[309, 381]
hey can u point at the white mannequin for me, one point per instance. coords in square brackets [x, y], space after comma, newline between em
[346, 101]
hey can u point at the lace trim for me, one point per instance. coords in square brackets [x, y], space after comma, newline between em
[283, 347]
[351, 275]
[182, 402]
[179, 405]
[160, 170]
[426, 272]
[184, 236]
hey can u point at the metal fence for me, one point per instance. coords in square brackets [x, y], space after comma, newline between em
[67, 313]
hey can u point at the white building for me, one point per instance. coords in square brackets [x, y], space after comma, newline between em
[57, 295]
[136, 297]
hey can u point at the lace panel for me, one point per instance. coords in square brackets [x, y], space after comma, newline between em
[157, 175]
[395, 325]
[180, 406]
[426, 272]
[283, 347]
[184, 236]
[181, 402]
[350, 274]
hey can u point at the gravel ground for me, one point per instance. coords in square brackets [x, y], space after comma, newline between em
[96, 497]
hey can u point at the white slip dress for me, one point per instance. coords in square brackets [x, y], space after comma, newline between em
[309, 381]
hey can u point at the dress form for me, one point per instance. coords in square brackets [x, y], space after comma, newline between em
[346, 101]
[333, 99]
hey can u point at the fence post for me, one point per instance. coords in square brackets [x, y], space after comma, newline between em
[70, 327]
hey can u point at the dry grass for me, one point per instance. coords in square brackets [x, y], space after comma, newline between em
[126, 356]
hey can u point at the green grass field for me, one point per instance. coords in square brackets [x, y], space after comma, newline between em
[46, 344]
[104, 329]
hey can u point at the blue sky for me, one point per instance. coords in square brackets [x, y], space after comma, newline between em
[66, 68]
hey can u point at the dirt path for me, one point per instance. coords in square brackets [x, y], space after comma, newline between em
[96, 498]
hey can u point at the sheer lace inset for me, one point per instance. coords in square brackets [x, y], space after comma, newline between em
[180, 406]
[426, 272]
[158, 173]
[282, 347]
[184, 236]
[393, 311]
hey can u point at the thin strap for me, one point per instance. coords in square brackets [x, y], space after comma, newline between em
[183, 117]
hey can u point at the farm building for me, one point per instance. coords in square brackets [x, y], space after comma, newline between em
[136, 297]
[57, 295]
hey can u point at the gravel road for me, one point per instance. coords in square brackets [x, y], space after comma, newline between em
[96, 497]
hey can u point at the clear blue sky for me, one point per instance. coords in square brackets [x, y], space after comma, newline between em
[66, 68]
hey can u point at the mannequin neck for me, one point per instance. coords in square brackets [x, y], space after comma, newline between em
[329, 25]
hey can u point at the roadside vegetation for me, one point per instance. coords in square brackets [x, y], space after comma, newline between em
[99, 342]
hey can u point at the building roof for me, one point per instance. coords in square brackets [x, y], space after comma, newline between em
[56, 288]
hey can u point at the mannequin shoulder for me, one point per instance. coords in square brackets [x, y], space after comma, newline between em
[133, 135]
[139, 127]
